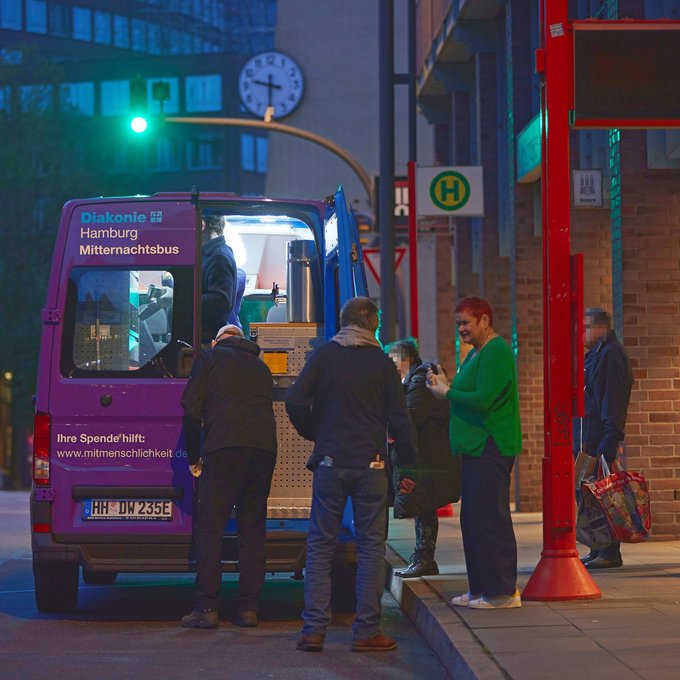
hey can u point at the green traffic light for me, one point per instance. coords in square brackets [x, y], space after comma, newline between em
[138, 124]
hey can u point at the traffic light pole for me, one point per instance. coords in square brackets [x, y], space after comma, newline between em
[559, 575]
[287, 130]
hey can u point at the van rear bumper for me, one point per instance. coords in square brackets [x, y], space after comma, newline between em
[285, 552]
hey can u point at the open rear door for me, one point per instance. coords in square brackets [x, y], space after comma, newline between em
[344, 275]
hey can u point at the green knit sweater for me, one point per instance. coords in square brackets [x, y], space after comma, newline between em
[484, 402]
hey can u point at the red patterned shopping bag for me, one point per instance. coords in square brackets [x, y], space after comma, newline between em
[624, 497]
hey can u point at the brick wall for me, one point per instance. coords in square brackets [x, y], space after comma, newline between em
[651, 292]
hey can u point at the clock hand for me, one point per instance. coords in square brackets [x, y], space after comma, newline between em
[270, 85]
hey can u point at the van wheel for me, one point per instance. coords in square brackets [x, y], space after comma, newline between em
[343, 587]
[56, 586]
[99, 578]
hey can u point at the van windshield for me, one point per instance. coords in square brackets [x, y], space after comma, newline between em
[122, 320]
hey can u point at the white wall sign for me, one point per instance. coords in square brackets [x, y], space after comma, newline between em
[450, 191]
[587, 188]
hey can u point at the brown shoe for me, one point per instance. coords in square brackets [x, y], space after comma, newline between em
[378, 643]
[310, 643]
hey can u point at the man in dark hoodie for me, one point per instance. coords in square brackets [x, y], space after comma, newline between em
[345, 398]
[229, 394]
[608, 383]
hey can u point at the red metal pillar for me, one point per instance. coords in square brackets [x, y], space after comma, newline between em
[559, 574]
[413, 247]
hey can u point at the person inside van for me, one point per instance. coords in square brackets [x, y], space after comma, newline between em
[219, 278]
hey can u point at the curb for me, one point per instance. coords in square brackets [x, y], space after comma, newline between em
[457, 649]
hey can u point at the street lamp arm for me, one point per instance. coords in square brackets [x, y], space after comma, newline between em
[287, 130]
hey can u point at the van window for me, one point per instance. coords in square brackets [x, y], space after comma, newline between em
[126, 320]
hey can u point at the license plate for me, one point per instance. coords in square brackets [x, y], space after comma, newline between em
[135, 509]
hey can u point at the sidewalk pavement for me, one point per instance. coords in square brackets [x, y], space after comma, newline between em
[632, 631]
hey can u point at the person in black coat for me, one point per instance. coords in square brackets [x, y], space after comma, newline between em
[218, 278]
[608, 384]
[439, 471]
[229, 395]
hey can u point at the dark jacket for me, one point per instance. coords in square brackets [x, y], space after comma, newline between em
[608, 383]
[344, 400]
[229, 393]
[439, 471]
[238, 298]
[218, 286]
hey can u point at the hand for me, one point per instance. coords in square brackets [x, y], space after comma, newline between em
[196, 468]
[437, 384]
[406, 485]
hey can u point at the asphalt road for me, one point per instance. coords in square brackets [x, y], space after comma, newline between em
[130, 630]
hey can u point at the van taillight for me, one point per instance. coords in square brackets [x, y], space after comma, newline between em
[41, 449]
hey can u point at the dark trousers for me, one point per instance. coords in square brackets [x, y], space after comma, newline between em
[488, 537]
[241, 478]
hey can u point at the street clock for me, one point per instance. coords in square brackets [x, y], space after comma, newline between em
[271, 79]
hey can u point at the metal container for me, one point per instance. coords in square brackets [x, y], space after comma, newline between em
[301, 306]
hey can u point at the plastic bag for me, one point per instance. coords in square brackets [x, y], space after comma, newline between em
[624, 497]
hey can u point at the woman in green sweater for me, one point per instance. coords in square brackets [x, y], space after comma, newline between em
[484, 429]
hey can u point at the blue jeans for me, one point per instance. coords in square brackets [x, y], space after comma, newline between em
[330, 489]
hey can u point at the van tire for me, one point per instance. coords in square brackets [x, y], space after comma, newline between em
[56, 586]
[99, 578]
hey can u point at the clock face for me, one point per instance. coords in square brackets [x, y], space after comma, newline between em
[271, 79]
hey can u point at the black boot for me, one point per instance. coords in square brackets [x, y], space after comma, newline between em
[421, 565]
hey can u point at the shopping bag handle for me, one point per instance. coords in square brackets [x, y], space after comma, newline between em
[603, 468]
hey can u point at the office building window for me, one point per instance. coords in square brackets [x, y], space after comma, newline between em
[5, 94]
[164, 155]
[261, 147]
[59, 20]
[170, 105]
[10, 14]
[203, 93]
[102, 28]
[248, 152]
[77, 98]
[254, 153]
[36, 16]
[82, 24]
[115, 97]
[204, 152]
[35, 97]
[153, 35]
[121, 31]
[138, 35]
[15, 57]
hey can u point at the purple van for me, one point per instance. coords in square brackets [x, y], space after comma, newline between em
[112, 491]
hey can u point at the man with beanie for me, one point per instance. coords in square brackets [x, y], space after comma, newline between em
[229, 395]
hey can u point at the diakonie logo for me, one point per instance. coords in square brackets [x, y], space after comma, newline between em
[93, 217]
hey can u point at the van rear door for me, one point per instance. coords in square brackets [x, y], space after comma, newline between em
[344, 275]
[118, 464]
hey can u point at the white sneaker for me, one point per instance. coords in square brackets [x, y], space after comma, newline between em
[465, 599]
[497, 601]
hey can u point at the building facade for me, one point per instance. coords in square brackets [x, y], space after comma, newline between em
[478, 87]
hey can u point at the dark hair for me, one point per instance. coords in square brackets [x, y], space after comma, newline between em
[214, 224]
[360, 311]
[599, 316]
[476, 307]
[407, 347]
